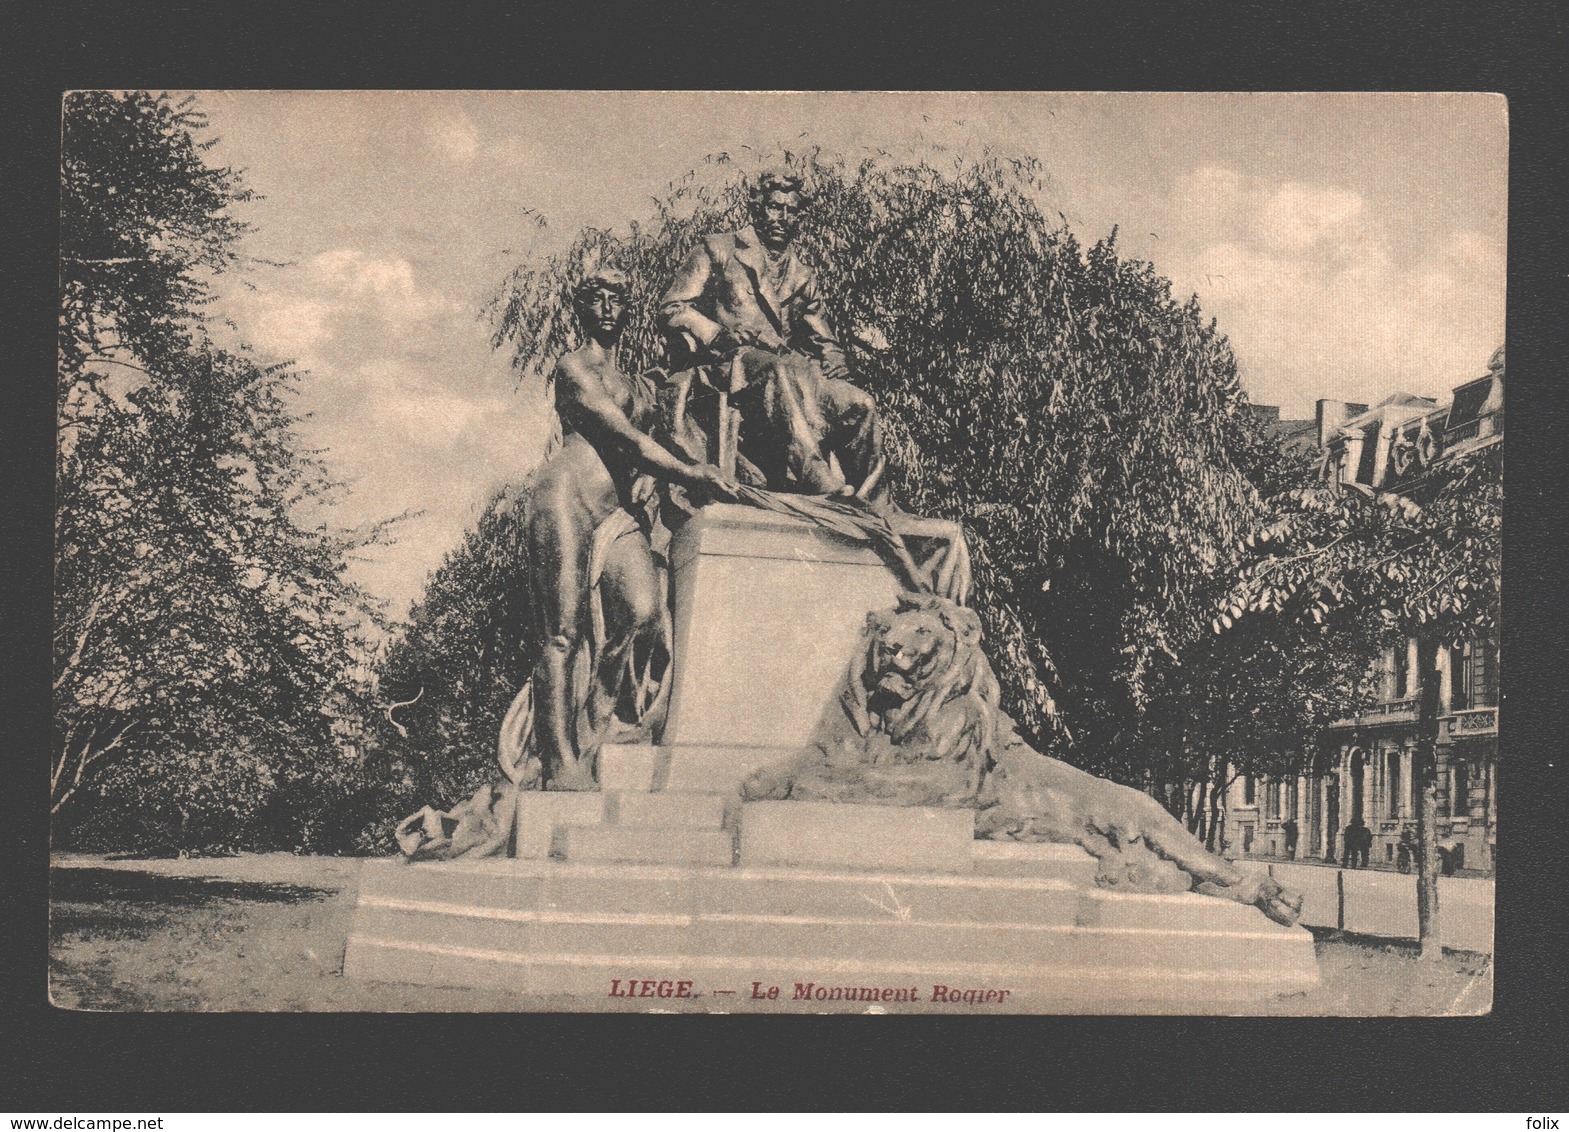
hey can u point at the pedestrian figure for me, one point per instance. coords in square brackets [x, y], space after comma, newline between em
[1289, 828]
[1405, 851]
[1358, 842]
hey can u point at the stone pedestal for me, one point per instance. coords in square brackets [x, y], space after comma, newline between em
[911, 839]
[768, 612]
[637, 885]
[831, 939]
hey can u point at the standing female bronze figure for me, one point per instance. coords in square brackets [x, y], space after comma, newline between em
[595, 580]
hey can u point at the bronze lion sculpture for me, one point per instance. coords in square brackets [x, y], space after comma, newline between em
[918, 723]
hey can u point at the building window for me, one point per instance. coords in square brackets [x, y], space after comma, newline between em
[1484, 674]
[1392, 780]
[1473, 676]
[1400, 667]
[1460, 794]
[1249, 791]
[1373, 436]
[1247, 838]
[1460, 678]
[1272, 801]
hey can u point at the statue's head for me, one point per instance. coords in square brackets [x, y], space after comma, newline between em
[777, 197]
[600, 300]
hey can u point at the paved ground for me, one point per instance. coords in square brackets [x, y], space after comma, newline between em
[266, 932]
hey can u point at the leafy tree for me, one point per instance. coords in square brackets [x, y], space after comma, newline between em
[143, 221]
[1250, 701]
[1423, 560]
[453, 669]
[207, 640]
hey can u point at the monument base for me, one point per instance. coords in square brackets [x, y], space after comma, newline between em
[828, 940]
[690, 900]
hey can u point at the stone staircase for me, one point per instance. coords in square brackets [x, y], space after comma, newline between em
[691, 899]
[686, 828]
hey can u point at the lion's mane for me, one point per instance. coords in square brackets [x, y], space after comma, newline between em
[916, 720]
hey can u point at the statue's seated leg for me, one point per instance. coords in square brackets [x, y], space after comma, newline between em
[759, 447]
[855, 436]
[792, 412]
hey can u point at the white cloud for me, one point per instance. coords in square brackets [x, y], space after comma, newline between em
[1316, 301]
[454, 137]
[416, 412]
[1295, 216]
[341, 307]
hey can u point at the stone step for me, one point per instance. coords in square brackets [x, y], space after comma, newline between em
[567, 886]
[880, 896]
[645, 844]
[631, 766]
[561, 927]
[824, 984]
[876, 838]
[686, 808]
[856, 940]
[540, 813]
[683, 767]
[1034, 859]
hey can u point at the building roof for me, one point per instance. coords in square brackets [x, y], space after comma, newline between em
[1393, 430]
[1295, 433]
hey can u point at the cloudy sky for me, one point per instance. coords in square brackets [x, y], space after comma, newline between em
[1349, 245]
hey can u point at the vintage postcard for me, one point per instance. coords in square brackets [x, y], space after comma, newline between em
[778, 552]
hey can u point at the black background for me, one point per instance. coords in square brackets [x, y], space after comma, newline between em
[1514, 1060]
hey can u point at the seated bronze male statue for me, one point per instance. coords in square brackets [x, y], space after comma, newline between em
[744, 318]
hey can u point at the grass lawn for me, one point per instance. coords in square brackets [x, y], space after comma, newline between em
[266, 932]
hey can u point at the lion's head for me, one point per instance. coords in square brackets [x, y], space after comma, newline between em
[923, 681]
[907, 648]
[916, 722]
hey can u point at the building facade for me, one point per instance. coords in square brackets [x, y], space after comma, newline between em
[1360, 770]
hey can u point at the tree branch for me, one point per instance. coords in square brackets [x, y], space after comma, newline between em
[89, 760]
[1279, 562]
[117, 362]
[109, 261]
[81, 638]
[65, 757]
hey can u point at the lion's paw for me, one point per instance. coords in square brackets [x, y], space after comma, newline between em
[1280, 904]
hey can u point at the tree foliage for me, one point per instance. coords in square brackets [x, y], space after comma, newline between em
[453, 669]
[143, 221]
[1423, 561]
[210, 652]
